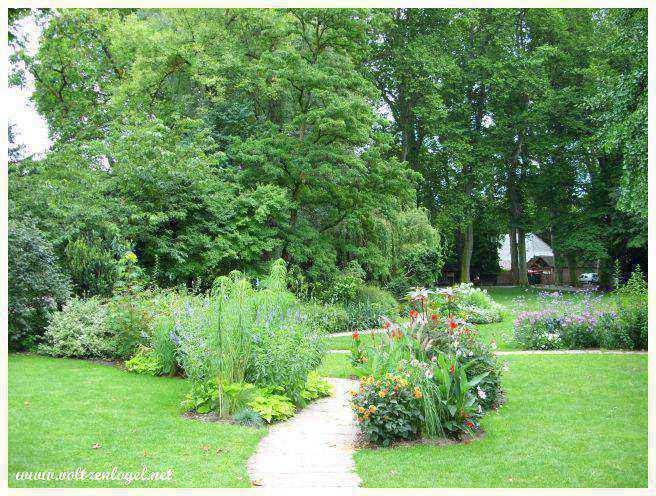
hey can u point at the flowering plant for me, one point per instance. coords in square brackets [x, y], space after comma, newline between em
[387, 408]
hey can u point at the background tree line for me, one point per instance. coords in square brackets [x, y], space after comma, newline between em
[384, 143]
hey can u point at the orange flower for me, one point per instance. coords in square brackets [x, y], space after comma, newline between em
[417, 393]
[388, 376]
[372, 409]
[361, 409]
[382, 393]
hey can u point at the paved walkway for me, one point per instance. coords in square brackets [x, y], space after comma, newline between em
[542, 352]
[314, 448]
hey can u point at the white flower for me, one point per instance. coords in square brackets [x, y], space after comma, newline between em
[505, 367]
[481, 393]
[493, 345]
[429, 374]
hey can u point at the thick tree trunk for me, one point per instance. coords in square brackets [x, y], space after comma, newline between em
[522, 278]
[514, 271]
[466, 253]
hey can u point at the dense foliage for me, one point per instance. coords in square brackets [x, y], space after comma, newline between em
[212, 140]
[36, 286]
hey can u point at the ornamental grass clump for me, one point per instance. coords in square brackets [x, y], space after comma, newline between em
[239, 334]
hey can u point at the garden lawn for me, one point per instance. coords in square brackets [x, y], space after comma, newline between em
[58, 409]
[569, 421]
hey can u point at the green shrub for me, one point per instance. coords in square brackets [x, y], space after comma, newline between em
[388, 408]
[369, 305]
[242, 334]
[316, 387]
[273, 407]
[144, 362]
[330, 317]
[36, 287]
[476, 357]
[248, 417]
[634, 323]
[93, 268]
[80, 330]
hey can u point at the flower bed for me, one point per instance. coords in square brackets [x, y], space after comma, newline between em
[434, 378]
[588, 323]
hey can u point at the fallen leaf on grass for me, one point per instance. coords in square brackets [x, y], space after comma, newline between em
[218, 451]
[145, 453]
[27, 403]
[205, 448]
[256, 482]
[96, 446]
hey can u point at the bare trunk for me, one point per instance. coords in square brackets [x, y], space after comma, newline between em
[571, 267]
[466, 253]
[522, 278]
[557, 264]
[513, 255]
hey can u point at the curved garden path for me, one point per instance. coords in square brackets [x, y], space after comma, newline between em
[314, 448]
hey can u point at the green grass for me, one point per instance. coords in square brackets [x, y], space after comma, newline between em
[336, 365]
[569, 421]
[514, 299]
[59, 408]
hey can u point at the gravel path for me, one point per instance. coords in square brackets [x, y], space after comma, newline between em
[314, 448]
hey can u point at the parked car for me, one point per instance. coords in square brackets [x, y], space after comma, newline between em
[588, 278]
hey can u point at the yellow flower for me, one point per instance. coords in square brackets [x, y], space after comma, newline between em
[382, 393]
[388, 376]
[372, 409]
[361, 409]
[417, 392]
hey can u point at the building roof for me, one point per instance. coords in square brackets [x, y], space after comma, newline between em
[535, 247]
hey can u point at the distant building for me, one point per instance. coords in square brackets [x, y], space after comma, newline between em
[535, 247]
[539, 262]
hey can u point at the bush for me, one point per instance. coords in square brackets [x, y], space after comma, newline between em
[454, 376]
[240, 334]
[144, 362]
[330, 317]
[36, 287]
[475, 305]
[589, 323]
[93, 268]
[388, 408]
[369, 305]
[80, 330]
[248, 417]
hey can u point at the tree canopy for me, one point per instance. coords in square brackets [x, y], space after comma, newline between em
[209, 140]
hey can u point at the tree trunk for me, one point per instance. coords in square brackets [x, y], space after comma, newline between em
[466, 253]
[522, 278]
[514, 271]
[571, 267]
[557, 264]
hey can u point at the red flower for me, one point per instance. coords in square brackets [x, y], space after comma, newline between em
[469, 424]
[452, 369]
[434, 317]
[400, 333]
[453, 325]
[393, 333]
[386, 325]
[356, 336]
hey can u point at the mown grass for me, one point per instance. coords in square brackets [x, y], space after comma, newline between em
[59, 408]
[569, 421]
[514, 299]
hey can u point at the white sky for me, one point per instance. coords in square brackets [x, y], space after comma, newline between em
[31, 129]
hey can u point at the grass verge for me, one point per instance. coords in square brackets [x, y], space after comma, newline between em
[59, 408]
